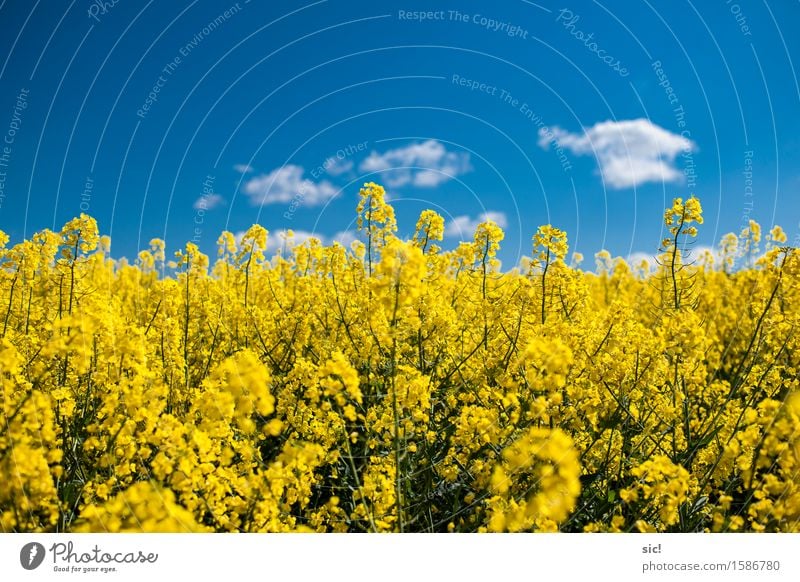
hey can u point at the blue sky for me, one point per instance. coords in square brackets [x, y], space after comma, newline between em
[180, 120]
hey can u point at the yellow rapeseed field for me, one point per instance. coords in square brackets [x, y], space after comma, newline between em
[395, 386]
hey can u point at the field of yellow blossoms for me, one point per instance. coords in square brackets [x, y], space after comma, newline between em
[395, 386]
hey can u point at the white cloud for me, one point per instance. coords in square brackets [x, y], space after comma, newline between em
[278, 239]
[629, 153]
[464, 226]
[286, 185]
[698, 254]
[208, 201]
[426, 164]
[345, 238]
[701, 254]
[336, 167]
[636, 259]
[243, 168]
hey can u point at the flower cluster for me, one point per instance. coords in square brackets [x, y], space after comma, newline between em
[398, 386]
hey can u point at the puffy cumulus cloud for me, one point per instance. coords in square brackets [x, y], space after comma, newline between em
[424, 164]
[464, 226]
[287, 184]
[629, 153]
[208, 201]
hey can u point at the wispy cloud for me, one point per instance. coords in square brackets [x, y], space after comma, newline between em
[464, 226]
[208, 201]
[244, 168]
[288, 184]
[629, 153]
[424, 164]
[338, 167]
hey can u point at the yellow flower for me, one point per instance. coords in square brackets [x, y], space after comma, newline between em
[399, 386]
